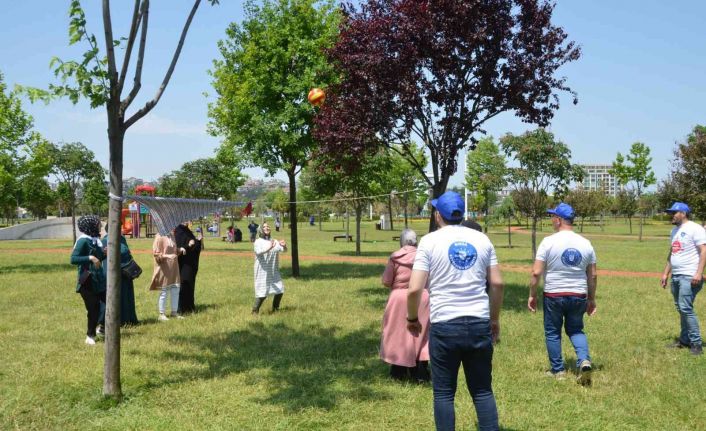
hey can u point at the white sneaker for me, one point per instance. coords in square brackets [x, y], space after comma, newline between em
[90, 341]
[585, 371]
[162, 318]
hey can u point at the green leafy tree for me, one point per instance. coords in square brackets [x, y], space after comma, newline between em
[544, 164]
[74, 164]
[95, 194]
[625, 204]
[202, 179]
[634, 170]
[401, 177]
[268, 65]
[506, 211]
[101, 80]
[586, 203]
[687, 180]
[485, 175]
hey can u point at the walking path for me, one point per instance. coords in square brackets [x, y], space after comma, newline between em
[347, 259]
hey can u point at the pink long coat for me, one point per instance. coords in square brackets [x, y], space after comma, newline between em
[398, 346]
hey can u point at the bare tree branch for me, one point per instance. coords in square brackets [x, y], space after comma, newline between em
[136, 16]
[137, 81]
[151, 104]
[110, 52]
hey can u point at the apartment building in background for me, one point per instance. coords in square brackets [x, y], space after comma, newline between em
[598, 177]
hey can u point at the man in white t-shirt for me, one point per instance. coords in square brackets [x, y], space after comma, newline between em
[456, 263]
[685, 262]
[568, 263]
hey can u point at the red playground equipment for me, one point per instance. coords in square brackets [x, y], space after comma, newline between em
[136, 215]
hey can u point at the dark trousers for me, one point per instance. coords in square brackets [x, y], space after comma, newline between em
[92, 301]
[420, 373]
[464, 340]
[275, 303]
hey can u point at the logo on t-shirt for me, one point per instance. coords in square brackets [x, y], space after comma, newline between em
[677, 247]
[462, 255]
[571, 257]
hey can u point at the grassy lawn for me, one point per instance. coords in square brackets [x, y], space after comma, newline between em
[314, 365]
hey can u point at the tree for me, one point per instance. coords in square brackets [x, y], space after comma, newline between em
[544, 165]
[206, 178]
[435, 72]
[95, 194]
[485, 174]
[74, 164]
[268, 65]
[506, 211]
[403, 177]
[586, 203]
[634, 169]
[688, 172]
[626, 205]
[97, 79]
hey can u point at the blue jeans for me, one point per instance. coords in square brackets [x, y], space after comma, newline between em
[564, 311]
[684, 296]
[464, 340]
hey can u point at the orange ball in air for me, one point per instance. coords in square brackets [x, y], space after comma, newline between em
[316, 96]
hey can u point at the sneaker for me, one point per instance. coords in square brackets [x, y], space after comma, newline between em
[100, 331]
[176, 316]
[585, 371]
[90, 341]
[559, 375]
[696, 349]
[162, 318]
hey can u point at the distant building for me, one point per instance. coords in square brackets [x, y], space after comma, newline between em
[598, 177]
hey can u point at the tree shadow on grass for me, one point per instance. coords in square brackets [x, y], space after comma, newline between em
[376, 296]
[340, 270]
[364, 253]
[312, 366]
[515, 297]
[36, 268]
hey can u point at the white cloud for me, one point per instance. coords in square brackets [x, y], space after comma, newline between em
[153, 124]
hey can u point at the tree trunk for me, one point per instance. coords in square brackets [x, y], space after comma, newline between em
[358, 216]
[582, 218]
[320, 221]
[641, 222]
[73, 215]
[630, 223]
[348, 224]
[389, 210]
[534, 237]
[294, 243]
[438, 189]
[509, 233]
[406, 202]
[111, 367]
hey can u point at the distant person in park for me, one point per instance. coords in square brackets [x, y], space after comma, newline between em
[231, 234]
[252, 227]
[188, 266]
[268, 280]
[685, 263]
[455, 263]
[407, 354]
[128, 314]
[311, 220]
[165, 277]
[87, 255]
[568, 263]
[237, 235]
[278, 224]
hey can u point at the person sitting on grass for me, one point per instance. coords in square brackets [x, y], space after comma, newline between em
[268, 280]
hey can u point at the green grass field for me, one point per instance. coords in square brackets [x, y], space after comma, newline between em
[315, 365]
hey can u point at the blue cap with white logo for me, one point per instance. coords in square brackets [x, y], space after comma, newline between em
[564, 211]
[450, 206]
[679, 207]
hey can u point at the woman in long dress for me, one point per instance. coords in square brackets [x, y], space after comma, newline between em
[268, 280]
[408, 355]
[188, 267]
[165, 277]
[128, 315]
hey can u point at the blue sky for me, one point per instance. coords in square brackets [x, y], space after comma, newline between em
[642, 77]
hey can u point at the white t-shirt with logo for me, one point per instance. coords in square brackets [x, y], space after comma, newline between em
[457, 260]
[566, 255]
[685, 254]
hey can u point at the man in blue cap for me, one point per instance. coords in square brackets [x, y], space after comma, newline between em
[568, 263]
[456, 263]
[685, 262]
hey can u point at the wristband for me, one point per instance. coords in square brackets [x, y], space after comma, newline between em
[416, 319]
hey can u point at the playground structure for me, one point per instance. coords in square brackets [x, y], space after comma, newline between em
[136, 215]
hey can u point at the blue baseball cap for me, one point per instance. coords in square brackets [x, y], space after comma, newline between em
[564, 211]
[450, 206]
[679, 207]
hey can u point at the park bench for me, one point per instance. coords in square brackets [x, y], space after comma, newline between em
[344, 236]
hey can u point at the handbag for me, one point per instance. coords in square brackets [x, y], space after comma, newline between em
[85, 279]
[131, 270]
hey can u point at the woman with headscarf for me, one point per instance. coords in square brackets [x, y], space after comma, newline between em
[268, 280]
[188, 266]
[165, 277]
[128, 315]
[87, 255]
[408, 355]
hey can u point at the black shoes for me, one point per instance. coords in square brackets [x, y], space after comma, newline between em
[696, 349]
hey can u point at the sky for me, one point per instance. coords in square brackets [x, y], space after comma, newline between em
[642, 77]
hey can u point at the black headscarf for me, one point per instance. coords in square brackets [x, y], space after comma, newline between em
[90, 225]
